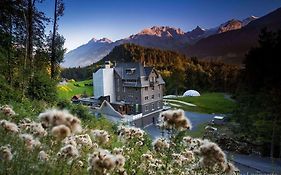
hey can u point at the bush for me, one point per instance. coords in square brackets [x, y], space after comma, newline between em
[7, 92]
[81, 111]
[42, 87]
[63, 104]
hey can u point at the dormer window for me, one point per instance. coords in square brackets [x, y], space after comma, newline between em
[130, 71]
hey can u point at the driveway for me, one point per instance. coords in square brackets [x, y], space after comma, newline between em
[195, 118]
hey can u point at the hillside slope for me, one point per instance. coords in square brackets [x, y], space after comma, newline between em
[233, 45]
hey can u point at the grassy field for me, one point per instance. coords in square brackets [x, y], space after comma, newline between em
[208, 103]
[74, 88]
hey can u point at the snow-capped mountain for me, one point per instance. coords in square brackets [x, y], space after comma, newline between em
[163, 37]
[248, 20]
[88, 53]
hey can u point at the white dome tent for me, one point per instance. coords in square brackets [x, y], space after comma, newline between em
[191, 93]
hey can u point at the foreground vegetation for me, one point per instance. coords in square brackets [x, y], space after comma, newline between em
[68, 90]
[57, 142]
[208, 103]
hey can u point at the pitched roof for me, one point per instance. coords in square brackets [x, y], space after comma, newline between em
[135, 74]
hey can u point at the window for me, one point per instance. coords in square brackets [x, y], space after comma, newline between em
[146, 88]
[146, 108]
[159, 95]
[159, 104]
[152, 88]
[159, 87]
[146, 98]
[152, 106]
[130, 71]
[152, 97]
[118, 85]
[136, 89]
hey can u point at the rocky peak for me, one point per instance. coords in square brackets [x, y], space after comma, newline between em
[162, 31]
[104, 40]
[233, 24]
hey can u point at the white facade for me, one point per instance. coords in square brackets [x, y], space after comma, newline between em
[103, 81]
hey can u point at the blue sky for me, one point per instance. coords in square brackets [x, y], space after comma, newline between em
[117, 19]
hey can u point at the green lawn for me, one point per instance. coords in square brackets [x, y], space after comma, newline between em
[208, 103]
[69, 90]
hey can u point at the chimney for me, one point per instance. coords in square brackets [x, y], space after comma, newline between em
[107, 64]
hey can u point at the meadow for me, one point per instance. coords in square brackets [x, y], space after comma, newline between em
[70, 89]
[208, 102]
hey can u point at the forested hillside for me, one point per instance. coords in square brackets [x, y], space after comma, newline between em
[179, 72]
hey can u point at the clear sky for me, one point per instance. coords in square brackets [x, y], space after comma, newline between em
[117, 19]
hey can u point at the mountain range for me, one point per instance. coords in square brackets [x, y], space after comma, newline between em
[228, 41]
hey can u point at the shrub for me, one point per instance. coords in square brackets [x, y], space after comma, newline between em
[42, 87]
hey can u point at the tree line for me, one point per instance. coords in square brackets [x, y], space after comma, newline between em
[29, 58]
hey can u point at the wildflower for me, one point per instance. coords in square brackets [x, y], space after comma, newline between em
[126, 133]
[103, 161]
[230, 169]
[61, 131]
[46, 118]
[54, 117]
[34, 128]
[160, 143]
[43, 156]
[211, 155]
[7, 110]
[69, 140]
[119, 161]
[84, 140]
[189, 155]
[139, 143]
[6, 153]
[100, 136]
[174, 119]
[147, 157]
[9, 126]
[117, 151]
[187, 140]
[29, 141]
[68, 151]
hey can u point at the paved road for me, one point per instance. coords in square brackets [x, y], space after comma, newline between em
[257, 163]
[246, 164]
[195, 118]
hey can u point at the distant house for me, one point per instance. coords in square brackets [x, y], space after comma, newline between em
[218, 120]
[131, 89]
[76, 97]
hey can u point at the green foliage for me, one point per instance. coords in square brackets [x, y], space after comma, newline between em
[81, 111]
[79, 73]
[42, 87]
[7, 92]
[259, 96]
[63, 104]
